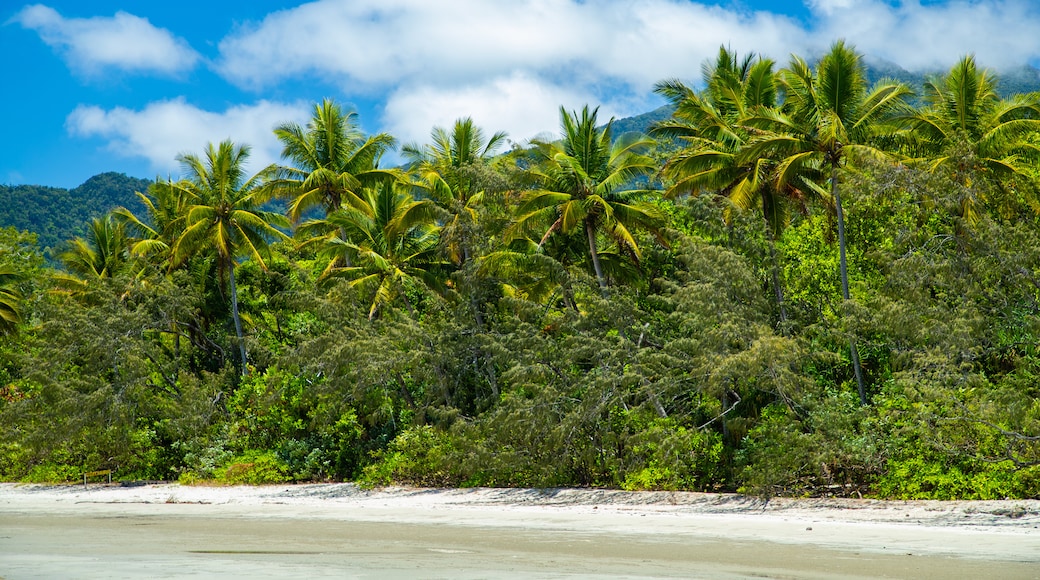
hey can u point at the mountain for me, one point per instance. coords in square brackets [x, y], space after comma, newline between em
[56, 215]
[1014, 80]
[641, 123]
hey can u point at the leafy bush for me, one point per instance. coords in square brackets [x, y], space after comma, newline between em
[422, 456]
[53, 473]
[931, 476]
[670, 457]
[255, 468]
[827, 449]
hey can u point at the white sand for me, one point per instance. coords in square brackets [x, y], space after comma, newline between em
[338, 530]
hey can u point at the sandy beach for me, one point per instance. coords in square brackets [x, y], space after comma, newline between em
[341, 531]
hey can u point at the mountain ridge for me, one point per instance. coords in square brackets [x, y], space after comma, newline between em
[56, 214]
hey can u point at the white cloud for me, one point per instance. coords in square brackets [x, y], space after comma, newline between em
[510, 65]
[656, 39]
[377, 42]
[124, 41]
[1000, 32]
[828, 6]
[163, 130]
[371, 44]
[519, 104]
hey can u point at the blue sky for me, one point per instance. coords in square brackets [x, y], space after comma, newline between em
[97, 85]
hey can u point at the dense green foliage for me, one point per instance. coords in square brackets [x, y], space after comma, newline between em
[784, 295]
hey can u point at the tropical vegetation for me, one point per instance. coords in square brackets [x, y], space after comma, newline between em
[798, 283]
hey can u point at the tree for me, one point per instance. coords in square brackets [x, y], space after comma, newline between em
[20, 270]
[10, 300]
[709, 127]
[390, 245]
[828, 116]
[224, 216]
[453, 173]
[578, 185]
[966, 128]
[103, 253]
[166, 205]
[464, 145]
[331, 161]
[445, 170]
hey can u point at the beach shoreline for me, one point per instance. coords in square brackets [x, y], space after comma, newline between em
[446, 531]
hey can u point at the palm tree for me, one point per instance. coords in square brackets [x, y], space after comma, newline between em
[101, 254]
[529, 274]
[709, 126]
[10, 300]
[153, 236]
[445, 170]
[967, 128]
[464, 145]
[224, 217]
[578, 185]
[331, 161]
[828, 116]
[390, 246]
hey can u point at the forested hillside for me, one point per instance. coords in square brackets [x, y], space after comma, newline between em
[821, 285]
[56, 214]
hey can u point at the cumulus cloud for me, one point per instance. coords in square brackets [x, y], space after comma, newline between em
[521, 105]
[124, 42]
[374, 43]
[377, 42]
[1000, 33]
[511, 64]
[163, 130]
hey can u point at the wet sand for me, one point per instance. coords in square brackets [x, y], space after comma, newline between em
[326, 531]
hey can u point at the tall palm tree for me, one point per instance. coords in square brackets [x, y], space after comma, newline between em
[331, 160]
[444, 175]
[829, 115]
[967, 128]
[579, 183]
[388, 247]
[709, 127]
[464, 145]
[224, 217]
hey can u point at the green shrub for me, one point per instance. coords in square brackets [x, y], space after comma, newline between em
[422, 456]
[53, 473]
[255, 468]
[671, 457]
[830, 450]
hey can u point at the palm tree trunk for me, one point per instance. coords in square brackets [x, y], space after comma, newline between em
[844, 268]
[591, 233]
[407, 302]
[777, 289]
[478, 316]
[238, 319]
